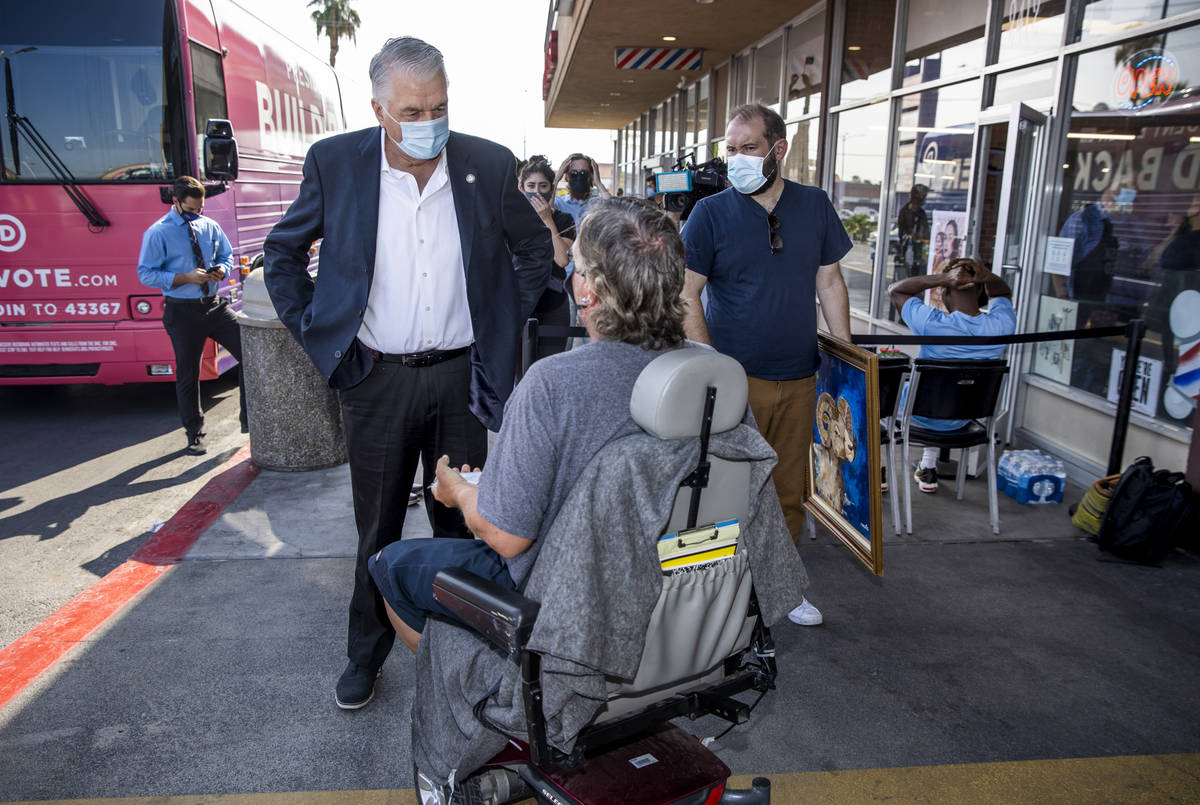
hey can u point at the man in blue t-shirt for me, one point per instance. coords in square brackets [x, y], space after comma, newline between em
[765, 250]
[967, 285]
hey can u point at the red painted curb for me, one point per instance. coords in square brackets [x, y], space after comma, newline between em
[45, 644]
[172, 541]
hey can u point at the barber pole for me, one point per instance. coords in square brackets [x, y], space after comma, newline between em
[659, 58]
[1183, 389]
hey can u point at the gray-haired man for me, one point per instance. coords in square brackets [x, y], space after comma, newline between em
[416, 311]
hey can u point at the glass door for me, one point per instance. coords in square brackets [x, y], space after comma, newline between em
[1003, 230]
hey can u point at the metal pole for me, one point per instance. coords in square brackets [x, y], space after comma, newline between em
[1134, 331]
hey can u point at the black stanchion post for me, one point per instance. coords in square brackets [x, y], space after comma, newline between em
[1134, 331]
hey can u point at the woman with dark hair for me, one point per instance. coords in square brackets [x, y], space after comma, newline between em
[536, 181]
[583, 186]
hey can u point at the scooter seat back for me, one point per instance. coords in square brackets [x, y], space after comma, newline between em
[701, 616]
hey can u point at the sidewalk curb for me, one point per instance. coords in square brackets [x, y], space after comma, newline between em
[44, 645]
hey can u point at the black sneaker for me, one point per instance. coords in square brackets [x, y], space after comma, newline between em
[195, 445]
[356, 686]
[926, 478]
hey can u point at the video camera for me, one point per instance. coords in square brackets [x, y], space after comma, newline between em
[688, 183]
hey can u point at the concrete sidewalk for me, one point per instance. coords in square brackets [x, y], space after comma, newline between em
[972, 649]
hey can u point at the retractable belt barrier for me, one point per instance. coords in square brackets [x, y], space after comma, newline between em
[1133, 332]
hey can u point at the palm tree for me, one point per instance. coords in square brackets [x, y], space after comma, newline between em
[335, 19]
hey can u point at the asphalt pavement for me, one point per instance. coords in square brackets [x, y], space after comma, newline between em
[89, 472]
[1024, 667]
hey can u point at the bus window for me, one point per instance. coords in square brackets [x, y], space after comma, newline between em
[89, 78]
[208, 85]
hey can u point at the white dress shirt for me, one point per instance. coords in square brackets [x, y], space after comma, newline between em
[418, 298]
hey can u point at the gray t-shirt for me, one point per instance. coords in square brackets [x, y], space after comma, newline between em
[560, 415]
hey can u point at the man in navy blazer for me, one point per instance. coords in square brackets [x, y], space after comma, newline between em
[431, 260]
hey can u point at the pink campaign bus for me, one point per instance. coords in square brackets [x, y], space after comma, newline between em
[104, 105]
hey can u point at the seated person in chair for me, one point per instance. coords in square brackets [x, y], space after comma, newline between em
[629, 268]
[967, 286]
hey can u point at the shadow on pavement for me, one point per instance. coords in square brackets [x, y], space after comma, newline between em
[51, 518]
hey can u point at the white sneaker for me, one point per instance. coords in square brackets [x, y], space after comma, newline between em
[806, 614]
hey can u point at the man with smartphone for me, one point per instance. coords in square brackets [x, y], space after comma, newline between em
[186, 256]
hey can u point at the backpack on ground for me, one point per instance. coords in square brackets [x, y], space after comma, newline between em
[1147, 513]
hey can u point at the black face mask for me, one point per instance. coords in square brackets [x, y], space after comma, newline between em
[579, 183]
[548, 196]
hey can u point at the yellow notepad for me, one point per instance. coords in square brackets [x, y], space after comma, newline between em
[698, 545]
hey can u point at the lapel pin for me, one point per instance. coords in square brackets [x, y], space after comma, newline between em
[470, 178]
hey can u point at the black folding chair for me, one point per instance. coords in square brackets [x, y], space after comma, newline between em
[954, 389]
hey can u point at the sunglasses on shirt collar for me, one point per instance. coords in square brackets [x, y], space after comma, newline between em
[773, 232]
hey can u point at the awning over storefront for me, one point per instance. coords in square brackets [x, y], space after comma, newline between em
[589, 90]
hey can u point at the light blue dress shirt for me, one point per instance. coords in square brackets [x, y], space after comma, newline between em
[167, 251]
[922, 319]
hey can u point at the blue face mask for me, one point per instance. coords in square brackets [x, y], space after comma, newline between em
[745, 173]
[421, 139]
[188, 216]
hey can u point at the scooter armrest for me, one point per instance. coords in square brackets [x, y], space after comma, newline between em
[501, 615]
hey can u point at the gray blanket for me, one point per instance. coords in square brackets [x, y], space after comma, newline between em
[597, 578]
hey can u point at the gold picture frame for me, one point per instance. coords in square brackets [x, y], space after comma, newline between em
[844, 480]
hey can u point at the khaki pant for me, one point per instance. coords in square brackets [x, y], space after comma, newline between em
[784, 411]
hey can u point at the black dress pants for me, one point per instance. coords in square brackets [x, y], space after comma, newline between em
[189, 323]
[394, 417]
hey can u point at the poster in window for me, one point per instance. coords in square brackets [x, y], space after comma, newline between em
[1052, 359]
[947, 241]
[1145, 386]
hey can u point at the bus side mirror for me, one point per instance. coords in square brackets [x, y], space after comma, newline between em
[220, 151]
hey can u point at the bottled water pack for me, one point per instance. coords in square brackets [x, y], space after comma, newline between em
[1031, 476]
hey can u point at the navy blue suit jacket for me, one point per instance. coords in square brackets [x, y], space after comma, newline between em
[339, 201]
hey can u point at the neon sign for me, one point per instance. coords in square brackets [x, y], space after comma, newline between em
[1145, 77]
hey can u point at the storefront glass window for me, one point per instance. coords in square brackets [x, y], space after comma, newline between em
[1106, 17]
[944, 38]
[766, 73]
[861, 148]
[1029, 27]
[702, 111]
[720, 97]
[689, 131]
[658, 125]
[867, 59]
[927, 221]
[670, 126]
[805, 45]
[741, 80]
[1024, 85]
[1128, 227]
[800, 163]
